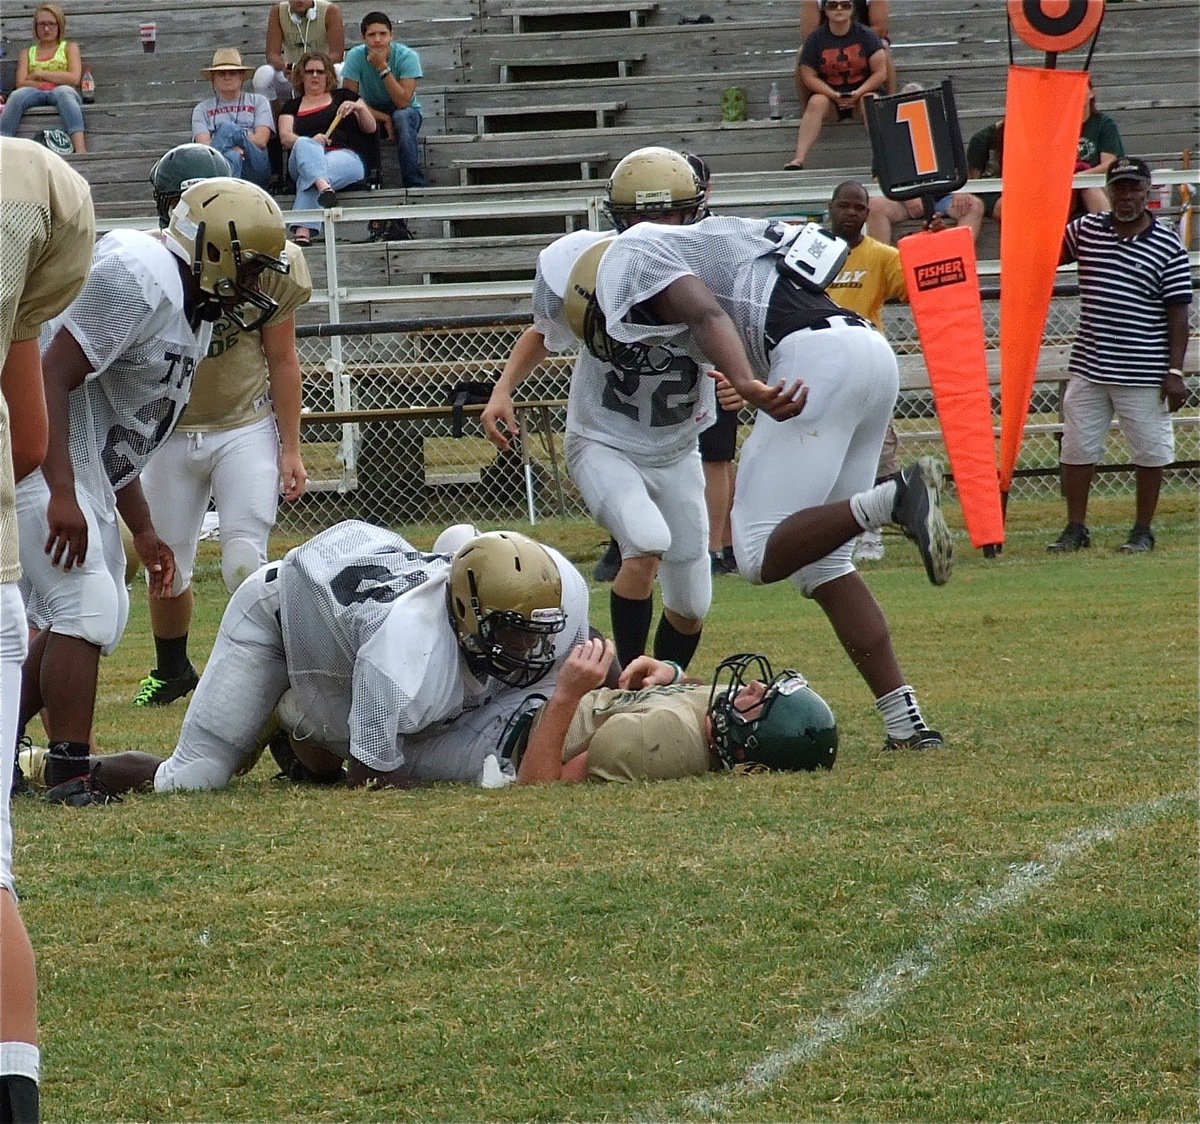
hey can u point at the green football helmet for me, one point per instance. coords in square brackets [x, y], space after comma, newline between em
[789, 727]
[180, 167]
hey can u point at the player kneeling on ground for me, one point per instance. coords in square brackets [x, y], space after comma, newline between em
[382, 641]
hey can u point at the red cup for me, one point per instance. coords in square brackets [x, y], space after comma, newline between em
[149, 37]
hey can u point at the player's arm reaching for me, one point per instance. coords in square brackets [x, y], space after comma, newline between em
[585, 670]
[528, 352]
[687, 300]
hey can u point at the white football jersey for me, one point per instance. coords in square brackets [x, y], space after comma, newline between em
[369, 643]
[653, 415]
[129, 321]
[736, 259]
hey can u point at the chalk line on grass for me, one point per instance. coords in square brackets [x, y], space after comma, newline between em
[914, 964]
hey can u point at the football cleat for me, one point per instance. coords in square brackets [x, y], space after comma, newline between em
[917, 510]
[156, 691]
[918, 739]
[81, 792]
[1140, 541]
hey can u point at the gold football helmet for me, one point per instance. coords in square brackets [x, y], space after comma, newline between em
[650, 182]
[505, 603]
[229, 231]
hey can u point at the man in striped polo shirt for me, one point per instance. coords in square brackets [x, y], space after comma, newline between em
[1134, 289]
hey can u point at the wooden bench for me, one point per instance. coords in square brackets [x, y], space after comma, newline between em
[568, 66]
[567, 17]
[529, 165]
[522, 117]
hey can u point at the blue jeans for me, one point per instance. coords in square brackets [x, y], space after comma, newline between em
[252, 163]
[310, 162]
[65, 99]
[407, 123]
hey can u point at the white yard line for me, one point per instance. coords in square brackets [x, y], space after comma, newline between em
[890, 984]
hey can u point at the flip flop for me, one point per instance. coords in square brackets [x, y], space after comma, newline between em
[792, 166]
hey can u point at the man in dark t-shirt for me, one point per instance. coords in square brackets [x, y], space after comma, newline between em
[841, 63]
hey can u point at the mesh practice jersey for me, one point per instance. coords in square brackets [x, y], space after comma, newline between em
[653, 415]
[734, 257]
[47, 228]
[130, 323]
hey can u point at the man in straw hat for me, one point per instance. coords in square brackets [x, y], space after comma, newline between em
[237, 124]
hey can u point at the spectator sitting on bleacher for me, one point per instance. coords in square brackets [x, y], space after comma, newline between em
[385, 73]
[48, 73]
[870, 13]
[1099, 147]
[840, 64]
[293, 28]
[320, 162]
[237, 124]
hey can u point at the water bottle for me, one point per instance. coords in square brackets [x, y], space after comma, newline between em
[775, 105]
[87, 86]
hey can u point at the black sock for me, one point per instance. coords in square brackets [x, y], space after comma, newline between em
[66, 761]
[671, 644]
[630, 624]
[18, 1099]
[172, 653]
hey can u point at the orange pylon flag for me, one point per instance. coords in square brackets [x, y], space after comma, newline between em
[943, 290]
[1042, 120]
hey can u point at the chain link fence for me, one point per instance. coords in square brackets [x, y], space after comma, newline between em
[383, 442]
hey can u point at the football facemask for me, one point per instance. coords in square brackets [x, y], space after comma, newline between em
[586, 319]
[783, 724]
[231, 232]
[505, 602]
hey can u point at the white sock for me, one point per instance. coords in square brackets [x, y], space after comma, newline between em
[872, 509]
[901, 713]
[20, 1059]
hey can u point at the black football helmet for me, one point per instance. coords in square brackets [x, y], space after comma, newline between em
[792, 728]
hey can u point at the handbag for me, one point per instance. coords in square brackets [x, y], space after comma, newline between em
[56, 140]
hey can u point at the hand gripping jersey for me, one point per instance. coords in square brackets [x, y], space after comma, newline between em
[736, 259]
[654, 414]
[129, 321]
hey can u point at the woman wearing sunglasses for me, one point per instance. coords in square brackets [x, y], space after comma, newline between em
[328, 131]
[841, 63]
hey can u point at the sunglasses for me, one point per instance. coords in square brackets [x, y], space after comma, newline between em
[314, 74]
[836, 5]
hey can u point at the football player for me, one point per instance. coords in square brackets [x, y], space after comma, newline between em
[656, 726]
[380, 640]
[804, 483]
[238, 442]
[631, 433]
[660, 726]
[47, 227]
[118, 366]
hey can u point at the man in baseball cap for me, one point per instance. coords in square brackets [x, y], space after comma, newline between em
[1127, 168]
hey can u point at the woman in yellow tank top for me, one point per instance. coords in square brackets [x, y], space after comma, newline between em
[48, 73]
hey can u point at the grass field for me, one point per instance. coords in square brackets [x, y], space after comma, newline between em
[1002, 930]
